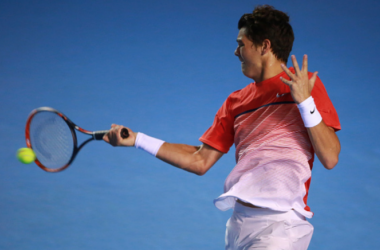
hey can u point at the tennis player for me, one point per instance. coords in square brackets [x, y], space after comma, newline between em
[277, 123]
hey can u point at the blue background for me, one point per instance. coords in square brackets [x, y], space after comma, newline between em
[164, 68]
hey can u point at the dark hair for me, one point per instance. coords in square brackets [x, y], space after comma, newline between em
[268, 23]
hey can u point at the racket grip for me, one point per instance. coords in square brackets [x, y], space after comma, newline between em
[124, 133]
[98, 135]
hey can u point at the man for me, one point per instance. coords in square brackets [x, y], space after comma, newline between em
[276, 123]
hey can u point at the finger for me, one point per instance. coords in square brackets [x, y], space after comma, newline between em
[118, 133]
[106, 139]
[295, 65]
[286, 81]
[129, 130]
[304, 64]
[312, 79]
[113, 125]
[287, 71]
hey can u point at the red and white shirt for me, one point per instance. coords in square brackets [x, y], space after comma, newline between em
[274, 154]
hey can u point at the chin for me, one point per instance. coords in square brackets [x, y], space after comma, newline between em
[246, 73]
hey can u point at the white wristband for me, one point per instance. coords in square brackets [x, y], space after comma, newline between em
[309, 113]
[147, 143]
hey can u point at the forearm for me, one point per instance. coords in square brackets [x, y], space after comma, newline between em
[181, 156]
[326, 144]
[323, 138]
[194, 159]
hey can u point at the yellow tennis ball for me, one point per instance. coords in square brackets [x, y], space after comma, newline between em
[26, 155]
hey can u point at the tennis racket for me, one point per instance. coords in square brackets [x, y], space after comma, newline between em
[52, 136]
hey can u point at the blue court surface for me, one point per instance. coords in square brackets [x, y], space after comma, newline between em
[164, 68]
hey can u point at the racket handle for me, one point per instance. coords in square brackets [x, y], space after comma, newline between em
[124, 133]
[98, 135]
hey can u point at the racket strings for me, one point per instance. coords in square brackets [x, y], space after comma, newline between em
[51, 139]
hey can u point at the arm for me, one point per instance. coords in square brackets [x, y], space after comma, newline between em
[194, 159]
[326, 144]
[323, 138]
[197, 160]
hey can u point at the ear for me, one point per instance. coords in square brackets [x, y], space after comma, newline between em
[266, 46]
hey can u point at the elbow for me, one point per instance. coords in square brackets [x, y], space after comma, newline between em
[331, 159]
[200, 173]
[330, 163]
[202, 169]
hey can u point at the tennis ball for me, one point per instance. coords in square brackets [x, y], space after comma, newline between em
[26, 155]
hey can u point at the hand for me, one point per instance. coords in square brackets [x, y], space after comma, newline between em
[300, 85]
[113, 137]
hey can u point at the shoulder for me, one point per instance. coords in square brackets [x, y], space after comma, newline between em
[241, 94]
[234, 100]
[319, 88]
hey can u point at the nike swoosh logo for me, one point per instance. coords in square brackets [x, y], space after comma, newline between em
[278, 95]
[312, 112]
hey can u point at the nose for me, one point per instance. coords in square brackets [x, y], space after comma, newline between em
[237, 52]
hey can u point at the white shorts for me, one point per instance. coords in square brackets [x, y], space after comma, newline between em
[262, 228]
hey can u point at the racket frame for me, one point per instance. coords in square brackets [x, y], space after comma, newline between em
[96, 135]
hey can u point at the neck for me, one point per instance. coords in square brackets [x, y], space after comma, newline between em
[269, 70]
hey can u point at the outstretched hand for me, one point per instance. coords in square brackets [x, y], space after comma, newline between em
[114, 138]
[300, 85]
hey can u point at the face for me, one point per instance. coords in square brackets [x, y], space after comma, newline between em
[249, 55]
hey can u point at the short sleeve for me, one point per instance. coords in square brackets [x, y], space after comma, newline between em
[221, 134]
[325, 106]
